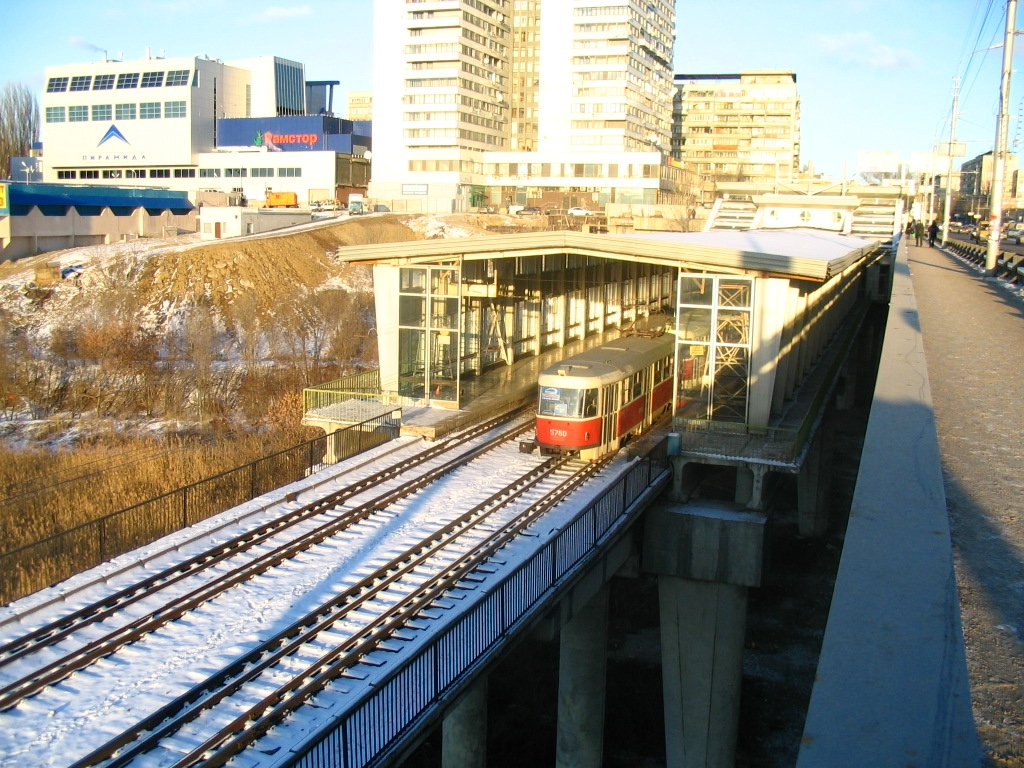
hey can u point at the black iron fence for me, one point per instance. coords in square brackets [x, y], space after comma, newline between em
[34, 566]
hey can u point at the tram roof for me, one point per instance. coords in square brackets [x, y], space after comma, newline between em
[808, 254]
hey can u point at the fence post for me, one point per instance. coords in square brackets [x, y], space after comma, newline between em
[184, 507]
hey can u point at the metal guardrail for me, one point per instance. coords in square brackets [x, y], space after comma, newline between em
[34, 566]
[359, 386]
[1009, 265]
[377, 722]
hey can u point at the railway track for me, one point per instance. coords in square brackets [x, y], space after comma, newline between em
[333, 640]
[48, 636]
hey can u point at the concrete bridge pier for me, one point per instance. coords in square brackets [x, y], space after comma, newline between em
[706, 557]
[464, 731]
[582, 664]
[811, 483]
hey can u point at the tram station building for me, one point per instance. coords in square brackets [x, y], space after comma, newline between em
[764, 321]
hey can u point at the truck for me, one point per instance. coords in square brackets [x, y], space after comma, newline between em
[282, 200]
[355, 205]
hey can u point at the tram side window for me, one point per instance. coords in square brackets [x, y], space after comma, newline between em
[589, 402]
[638, 384]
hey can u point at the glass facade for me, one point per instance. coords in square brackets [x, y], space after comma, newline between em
[713, 346]
[429, 322]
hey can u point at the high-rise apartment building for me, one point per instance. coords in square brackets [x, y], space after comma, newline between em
[493, 102]
[360, 105]
[738, 128]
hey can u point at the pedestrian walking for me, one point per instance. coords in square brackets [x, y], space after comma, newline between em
[918, 232]
[933, 232]
[910, 227]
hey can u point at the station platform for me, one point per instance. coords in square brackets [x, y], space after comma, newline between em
[495, 390]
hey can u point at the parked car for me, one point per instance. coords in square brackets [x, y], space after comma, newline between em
[529, 210]
[580, 211]
[1013, 232]
[381, 208]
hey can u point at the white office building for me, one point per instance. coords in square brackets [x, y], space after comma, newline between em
[154, 123]
[493, 102]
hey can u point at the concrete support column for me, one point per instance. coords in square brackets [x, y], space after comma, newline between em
[702, 630]
[750, 485]
[581, 686]
[705, 556]
[464, 732]
[812, 512]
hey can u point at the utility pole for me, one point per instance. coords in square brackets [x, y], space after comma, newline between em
[999, 154]
[949, 160]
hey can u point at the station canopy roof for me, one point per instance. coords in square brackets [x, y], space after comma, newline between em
[24, 196]
[807, 254]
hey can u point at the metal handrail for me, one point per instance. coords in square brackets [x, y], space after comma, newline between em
[378, 721]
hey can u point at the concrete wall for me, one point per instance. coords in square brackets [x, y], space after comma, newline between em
[34, 233]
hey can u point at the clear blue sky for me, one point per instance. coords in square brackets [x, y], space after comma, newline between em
[872, 74]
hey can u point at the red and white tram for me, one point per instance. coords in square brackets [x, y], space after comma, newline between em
[591, 402]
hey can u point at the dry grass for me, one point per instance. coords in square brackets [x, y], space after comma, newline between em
[47, 493]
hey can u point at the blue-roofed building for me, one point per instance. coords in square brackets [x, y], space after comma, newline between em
[35, 218]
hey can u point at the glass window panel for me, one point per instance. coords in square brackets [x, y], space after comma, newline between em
[124, 111]
[444, 280]
[102, 111]
[412, 311]
[694, 324]
[444, 313]
[412, 280]
[152, 79]
[177, 77]
[57, 85]
[103, 83]
[733, 326]
[734, 294]
[696, 290]
[410, 362]
[81, 82]
[78, 114]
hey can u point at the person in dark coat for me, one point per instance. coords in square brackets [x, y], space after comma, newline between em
[918, 232]
[933, 232]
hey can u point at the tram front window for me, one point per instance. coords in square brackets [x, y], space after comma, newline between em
[558, 401]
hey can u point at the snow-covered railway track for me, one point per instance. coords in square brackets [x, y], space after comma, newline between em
[123, 617]
[231, 709]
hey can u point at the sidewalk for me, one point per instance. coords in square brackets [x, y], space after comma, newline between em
[974, 345]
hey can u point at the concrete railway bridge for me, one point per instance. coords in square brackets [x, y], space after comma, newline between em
[767, 328]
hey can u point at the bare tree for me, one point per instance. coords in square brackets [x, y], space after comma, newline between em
[19, 124]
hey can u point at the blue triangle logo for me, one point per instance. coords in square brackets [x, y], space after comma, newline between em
[113, 133]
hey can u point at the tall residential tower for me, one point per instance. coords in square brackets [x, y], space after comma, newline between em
[738, 128]
[490, 102]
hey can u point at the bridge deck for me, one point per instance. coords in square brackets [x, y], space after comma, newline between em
[940, 458]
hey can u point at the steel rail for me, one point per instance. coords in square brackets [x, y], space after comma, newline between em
[226, 682]
[249, 726]
[117, 638]
[100, 610]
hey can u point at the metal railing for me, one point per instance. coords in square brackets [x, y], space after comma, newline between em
[378, 721]
[359, 386]
[37, 565]
[1009, 265]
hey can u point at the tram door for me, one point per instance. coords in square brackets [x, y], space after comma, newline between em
[609, 400]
